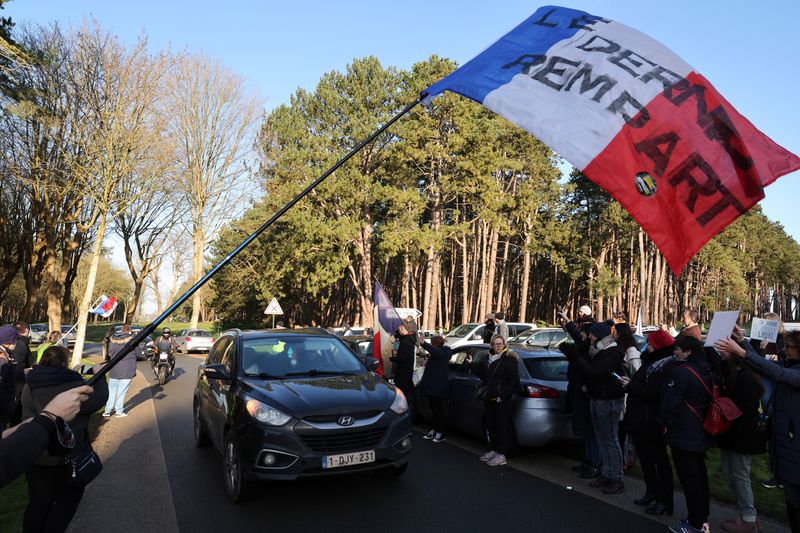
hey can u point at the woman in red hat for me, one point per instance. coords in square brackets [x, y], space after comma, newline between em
[640, 422]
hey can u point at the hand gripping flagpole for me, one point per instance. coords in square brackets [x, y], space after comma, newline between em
[150, 328]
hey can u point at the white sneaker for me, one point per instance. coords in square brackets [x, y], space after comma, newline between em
[430, 435]
[488, 456]
[120, 415]
[106, 415]
[439, 437]
[497, 460]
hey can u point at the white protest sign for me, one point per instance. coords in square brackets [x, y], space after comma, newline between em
[721, 326]
[765, 330]
[274, 308]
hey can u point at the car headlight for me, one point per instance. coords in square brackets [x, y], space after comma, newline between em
[264, 413]
[399, 405]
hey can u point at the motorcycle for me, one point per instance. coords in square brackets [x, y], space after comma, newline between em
[161, 366]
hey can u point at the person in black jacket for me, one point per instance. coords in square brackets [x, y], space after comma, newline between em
[404, 366]
[685, 399]
[643, 390]
[606, 401]
[21, 445]
[488, 328]
[577, 400]
[741, 441]
[52, 499]
[122, 373]
[21, 353]
[500, 379]
[434, 384]
[785, 413]
[7, 376]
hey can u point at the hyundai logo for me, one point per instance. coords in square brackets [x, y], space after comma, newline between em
[345, 420]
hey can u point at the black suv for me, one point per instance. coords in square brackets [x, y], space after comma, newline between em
[283, 404]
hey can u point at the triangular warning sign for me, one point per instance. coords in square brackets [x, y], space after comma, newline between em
[274, 308]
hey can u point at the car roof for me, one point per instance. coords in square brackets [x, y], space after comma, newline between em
[274, 333]
[524, 351]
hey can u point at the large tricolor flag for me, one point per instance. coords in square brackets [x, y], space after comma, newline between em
[634, 117]
[385, 323]
[105, 306]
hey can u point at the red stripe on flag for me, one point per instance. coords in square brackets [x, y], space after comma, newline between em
[376, 351]
[710, 165]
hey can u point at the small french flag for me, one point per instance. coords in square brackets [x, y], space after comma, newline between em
[105, 306]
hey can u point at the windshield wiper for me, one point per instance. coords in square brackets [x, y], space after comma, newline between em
[315, 372]
[264, 375]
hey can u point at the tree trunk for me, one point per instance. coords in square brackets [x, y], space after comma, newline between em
[197, 263]
[87, 299]
[526, 272]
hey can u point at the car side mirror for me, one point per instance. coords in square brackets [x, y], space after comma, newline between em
[477, 337]
[371, 363]
[217, 371]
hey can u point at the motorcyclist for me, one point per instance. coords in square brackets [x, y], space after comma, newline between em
[165, 343]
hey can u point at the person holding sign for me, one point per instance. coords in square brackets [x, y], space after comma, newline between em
[785, 412]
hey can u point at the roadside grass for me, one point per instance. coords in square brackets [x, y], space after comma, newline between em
[14, 496]
[96, 332]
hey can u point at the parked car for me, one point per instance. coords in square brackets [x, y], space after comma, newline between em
[39, 333]
[146, 351]
[194, 340]
[68, 338]
[472, 334]
[285, 404]
[537, 415]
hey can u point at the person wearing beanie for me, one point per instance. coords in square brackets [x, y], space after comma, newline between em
[641, 410]
[8, 337]
[600, 373]
[488, 329]
[585, 318]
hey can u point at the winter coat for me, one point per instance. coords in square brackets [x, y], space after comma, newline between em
[20, 449]
[577, 401]
[691, 331]
[500, 377]
[785, 413]
[502, 329]
[404, 360]
[681, 427]
[488, 331]
[44, 384]
[434, 379]
[633, 360]
[21, 353]
[7, 378]
[644, 392]
[742, 437]
[598, 371]
[126, 368]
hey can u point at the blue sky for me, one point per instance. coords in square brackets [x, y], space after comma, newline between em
[747, 51]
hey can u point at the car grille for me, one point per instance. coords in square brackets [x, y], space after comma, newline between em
[343, 442]
[334, 418]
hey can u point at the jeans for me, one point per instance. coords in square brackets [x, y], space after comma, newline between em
[437, 411]
[691, 470]
[605, 419]
[117, 389]
[736, 469]
[591, 450]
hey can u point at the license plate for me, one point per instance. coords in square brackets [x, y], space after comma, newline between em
[348, 459]
[163, 357]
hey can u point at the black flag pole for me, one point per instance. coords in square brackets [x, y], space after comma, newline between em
[150, 328]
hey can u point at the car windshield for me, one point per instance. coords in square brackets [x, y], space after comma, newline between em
[38, 328]
[65, 328]
[462, 330]
[198, 333]
[547, 338]
[523, 336]
[547, 369]
[295, 355]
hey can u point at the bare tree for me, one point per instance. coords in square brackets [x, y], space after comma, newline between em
[124, 124]
[213, 123]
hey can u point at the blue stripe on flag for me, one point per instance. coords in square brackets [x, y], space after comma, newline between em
[494, 67]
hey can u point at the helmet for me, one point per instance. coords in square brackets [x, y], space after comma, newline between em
[165, 331]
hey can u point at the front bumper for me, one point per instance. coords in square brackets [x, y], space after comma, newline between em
[299, 448]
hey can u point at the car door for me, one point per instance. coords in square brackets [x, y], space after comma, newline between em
[216, 400]
[466, 409]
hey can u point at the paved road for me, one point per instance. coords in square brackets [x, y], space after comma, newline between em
[445, 488]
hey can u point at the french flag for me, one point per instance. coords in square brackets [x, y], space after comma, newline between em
[105, 306]
[634, 117]
[385, 323]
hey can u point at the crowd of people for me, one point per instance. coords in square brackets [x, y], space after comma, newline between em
[658, 404]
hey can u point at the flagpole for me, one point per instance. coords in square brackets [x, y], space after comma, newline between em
[150, 328]
[75, 325]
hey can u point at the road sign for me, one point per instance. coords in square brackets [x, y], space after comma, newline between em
[274, 308]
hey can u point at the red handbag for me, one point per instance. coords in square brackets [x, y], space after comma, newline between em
[721, 411]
